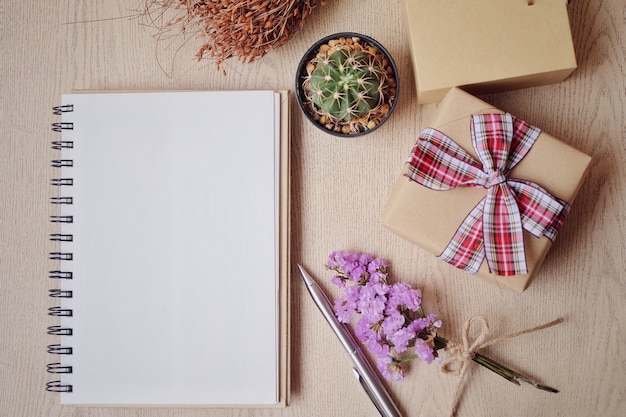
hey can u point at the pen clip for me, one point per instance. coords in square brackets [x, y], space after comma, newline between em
[368, 391]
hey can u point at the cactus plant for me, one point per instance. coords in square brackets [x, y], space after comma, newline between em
[347, 84]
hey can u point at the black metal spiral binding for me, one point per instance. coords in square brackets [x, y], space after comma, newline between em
[61, 200]
[60, 275]
[60, 126]
[57, 386]
[60, 163]
[58, 110]
[62, 255]
[59, 182]
[60, 237]
[59, 293]
[62, 144]
[59, 368]
[60, 331]
[60, 312]
[57, 349]
[62, 219]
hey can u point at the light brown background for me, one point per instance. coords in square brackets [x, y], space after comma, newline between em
[339, 189]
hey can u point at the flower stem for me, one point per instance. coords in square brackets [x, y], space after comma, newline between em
[503, 371]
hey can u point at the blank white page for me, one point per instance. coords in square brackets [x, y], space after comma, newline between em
[175, 250]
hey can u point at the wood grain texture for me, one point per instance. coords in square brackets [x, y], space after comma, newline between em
[339, 189]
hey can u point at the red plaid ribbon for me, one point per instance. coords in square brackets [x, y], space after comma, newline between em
[493, 229]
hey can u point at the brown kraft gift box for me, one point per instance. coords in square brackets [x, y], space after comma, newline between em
[487, 45]
[430, 218]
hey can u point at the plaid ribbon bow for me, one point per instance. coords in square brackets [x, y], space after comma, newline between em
[493, 229]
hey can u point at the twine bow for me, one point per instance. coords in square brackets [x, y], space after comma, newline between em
[493, 228]
[460, 355]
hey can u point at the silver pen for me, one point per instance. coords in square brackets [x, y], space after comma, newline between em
[362, 369]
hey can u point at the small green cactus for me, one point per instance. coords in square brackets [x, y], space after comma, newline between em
[347, 84]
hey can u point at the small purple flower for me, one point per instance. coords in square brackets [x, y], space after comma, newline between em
[401, 339]
[371, 303]
[365, 258]
[397, 373]
[342, 261]
[338, 281]
[419, 324]
[335, 259]
[378, 348]
[377, 265]
[378, 277]
[331, 263]
[358, 273]
[401, 295]
[383, 365]
[346, 306]
[390, 369]
[393, 322]
[424, 351]
[352, 293]
[344, 310]
[424, 323]
[363, 330]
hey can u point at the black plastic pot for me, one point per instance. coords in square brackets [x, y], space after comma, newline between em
[301, 75]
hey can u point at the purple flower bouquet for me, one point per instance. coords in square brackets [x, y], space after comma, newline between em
[395, 329]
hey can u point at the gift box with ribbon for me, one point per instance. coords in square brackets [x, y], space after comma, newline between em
[485, 191]
[487, 45]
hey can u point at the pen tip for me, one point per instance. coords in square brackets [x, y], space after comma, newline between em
[305, 276]
[546, 388]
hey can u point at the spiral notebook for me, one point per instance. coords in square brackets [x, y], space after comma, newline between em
[170, 214]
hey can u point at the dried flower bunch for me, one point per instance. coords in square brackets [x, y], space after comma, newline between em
[245, 29]
[394, 327]
[391, 323]
[350, 85]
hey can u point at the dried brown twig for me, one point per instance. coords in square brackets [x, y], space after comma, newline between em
[244, 29]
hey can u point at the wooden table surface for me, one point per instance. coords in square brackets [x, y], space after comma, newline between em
[339, 189]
